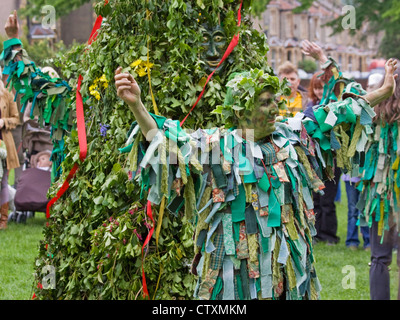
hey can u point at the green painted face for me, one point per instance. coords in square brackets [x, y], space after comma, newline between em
[214, 45]
[262, 118]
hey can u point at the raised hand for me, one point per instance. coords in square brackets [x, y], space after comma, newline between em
[127, 88]
[389, 85]
[12, 26]
[129, 91]
[313, 50]
[390, 77]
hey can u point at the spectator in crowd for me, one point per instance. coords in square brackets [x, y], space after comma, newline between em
[9, 119]
[43, 160]
[297, 101]
[315, 90]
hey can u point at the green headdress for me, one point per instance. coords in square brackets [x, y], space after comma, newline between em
[243, 90]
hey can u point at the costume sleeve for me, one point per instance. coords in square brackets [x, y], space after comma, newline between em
[162, 166]
[336, 85]
[12, 120]
[343, 120]
[342, 129]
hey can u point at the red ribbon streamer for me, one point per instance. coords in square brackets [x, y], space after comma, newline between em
[146, 242]
[232, 45]
[80, 122]
[96, 27]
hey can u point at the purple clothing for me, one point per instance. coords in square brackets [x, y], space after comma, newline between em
[346, 177]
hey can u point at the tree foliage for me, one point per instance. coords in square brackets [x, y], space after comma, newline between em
[34, 7]
[381, 16]
[95, 234]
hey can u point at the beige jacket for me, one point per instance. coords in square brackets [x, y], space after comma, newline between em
[10, 115]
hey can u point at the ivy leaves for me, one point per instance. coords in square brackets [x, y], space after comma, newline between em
[245, 88]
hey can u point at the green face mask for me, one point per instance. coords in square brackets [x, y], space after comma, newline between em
[214, 46]
[247, 92]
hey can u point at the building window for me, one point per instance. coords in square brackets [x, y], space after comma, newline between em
[350, 66]
[273, 59]
[289, 55]
[274, 22]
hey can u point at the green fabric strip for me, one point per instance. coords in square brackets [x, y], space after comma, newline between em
[228, 234]
[238, 206]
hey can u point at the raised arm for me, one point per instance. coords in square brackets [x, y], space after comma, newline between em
[389, 85]
[12, 26]
[13, 43]
[129, 91]
[313, 50]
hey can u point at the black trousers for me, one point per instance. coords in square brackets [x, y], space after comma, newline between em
[381, 258]
[325, 211]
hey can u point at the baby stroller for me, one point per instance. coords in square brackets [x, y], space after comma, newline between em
[34, 182]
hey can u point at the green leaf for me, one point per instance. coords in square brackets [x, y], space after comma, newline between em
[98, 200]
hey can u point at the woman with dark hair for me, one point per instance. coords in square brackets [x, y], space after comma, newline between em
[380, 180]
[315, 89]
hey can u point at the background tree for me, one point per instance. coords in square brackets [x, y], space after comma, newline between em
[380, 16]
[34, 7]
[307, 65]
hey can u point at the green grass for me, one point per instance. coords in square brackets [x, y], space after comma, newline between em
[18, 250]
[19, 245]
[330, 261]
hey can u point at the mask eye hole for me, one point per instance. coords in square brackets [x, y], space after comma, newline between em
[218, 38]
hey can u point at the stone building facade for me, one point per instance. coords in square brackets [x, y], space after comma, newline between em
[286, 30]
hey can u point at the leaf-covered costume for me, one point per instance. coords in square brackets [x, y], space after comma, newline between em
[250, 203]
[50, 97]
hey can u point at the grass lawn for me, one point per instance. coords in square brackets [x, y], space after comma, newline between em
[334, 263]
[19, 244]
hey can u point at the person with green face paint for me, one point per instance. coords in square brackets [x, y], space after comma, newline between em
[248, 186]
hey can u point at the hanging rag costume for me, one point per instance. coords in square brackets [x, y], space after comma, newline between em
[50, 97]
[251, 203]
[380, 181]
